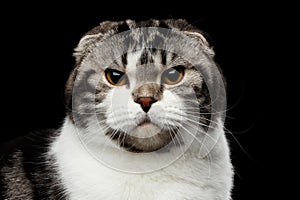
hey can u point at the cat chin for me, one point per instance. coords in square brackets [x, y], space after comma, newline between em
[146, 137]
[145, 130]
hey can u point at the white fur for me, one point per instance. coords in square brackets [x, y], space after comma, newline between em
[190, 177]
[125, 114]
[200, 174]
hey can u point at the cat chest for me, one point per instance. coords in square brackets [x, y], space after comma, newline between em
[133, 188]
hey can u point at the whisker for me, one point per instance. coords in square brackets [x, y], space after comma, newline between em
[205, 113]
[118, 140]
[196, 122]
[196, 102]
[211, 104]
[178, 140]
[201, 144]
[110, 137]
[230, 133]
[169, 131]
[192, 109]
[91, 138]
[180, 125]
[205, 133]
[180, 135]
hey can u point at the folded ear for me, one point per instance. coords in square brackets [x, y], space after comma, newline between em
[201, 39]
[191, 31]
[84, 45]
[88, 41]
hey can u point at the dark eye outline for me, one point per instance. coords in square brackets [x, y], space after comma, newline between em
[165, 76]
[119, 82]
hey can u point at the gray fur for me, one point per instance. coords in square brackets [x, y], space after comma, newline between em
[101, 48]
[14, 177]
[162, 45]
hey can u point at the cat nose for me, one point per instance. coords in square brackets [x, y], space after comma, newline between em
[146, 102]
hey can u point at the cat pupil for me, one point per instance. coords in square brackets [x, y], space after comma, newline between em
[173, 75]
[116, 74]
[116, 77]
[172, 72]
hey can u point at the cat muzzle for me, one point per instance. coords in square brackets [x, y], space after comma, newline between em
[146, 102]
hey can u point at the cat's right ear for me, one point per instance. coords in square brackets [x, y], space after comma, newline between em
[84, 46]
[90, 39]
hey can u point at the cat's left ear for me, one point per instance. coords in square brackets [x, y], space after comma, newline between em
[202, 41]
[208, 47]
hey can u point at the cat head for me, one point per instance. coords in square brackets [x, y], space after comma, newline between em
[140, 84]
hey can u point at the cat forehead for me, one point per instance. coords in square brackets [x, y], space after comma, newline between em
[112, 39]
[147, 59]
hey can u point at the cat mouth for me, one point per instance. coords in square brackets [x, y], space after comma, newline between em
[145, 122]
[146, 137]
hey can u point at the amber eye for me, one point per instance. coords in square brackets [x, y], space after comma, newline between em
[116, 77]
[173, 75]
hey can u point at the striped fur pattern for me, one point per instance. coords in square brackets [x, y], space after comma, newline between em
[143, 54]
[27, 171]
[105, 115]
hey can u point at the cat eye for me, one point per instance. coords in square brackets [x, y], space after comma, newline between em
[116, 77]
[173, 75]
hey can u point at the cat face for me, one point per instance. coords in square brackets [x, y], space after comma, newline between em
[140, 88]
[148, 101]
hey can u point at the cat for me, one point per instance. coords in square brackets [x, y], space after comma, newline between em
[144, 120]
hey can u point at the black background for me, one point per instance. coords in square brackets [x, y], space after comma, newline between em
[37, 42]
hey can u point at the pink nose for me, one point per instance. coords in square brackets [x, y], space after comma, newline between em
[146, 102]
